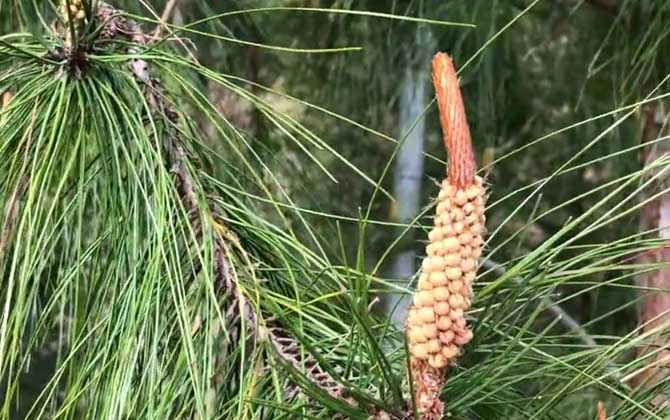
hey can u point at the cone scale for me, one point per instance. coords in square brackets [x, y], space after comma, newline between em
[436, 327]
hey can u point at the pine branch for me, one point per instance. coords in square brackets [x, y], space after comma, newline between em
[12, 209]
[185, 184]
[571, 324]
[289, 349]
[557, 311]
[10, 215]
[287, 346]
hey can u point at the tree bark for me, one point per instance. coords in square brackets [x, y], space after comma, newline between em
[654, 304]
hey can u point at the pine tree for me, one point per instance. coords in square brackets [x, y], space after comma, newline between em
[195, 200]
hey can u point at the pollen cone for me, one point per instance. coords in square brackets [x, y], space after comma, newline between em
[436, 327]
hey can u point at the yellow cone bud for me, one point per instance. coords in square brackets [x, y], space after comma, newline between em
[434, 346]
[447, 337]
[440, 294]
[438, 361]
[442, 308]
[420, 351]
[430, 331]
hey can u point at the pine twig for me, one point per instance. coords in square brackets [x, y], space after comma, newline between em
[290, 351]
[12, 209]
[287, 346]
[117, 25]
[571, 324]
[6, 99]
[10, 216]
[165, 17]
[557, 311]
[602, 414]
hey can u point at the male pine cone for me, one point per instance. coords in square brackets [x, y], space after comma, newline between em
[436, 326]
[73, 8]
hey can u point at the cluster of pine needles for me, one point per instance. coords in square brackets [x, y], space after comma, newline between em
[149, 272]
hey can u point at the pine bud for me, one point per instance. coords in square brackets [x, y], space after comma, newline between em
[438, 361]
[73, 9]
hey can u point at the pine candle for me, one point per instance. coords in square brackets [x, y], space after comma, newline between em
[436, 327]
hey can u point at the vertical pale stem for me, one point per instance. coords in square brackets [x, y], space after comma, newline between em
[408, 174]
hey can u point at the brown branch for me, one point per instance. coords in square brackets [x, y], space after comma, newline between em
[10, 216]
[654, 303]
[602, 414]
[287, 347]
[454, 122]
[6, 98]
[23, 180]
[429, 383]
[185, 184]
